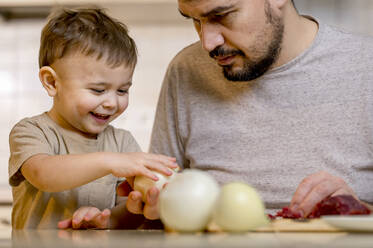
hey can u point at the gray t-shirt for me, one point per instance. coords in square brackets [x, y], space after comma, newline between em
[313, 113]
[33, 208]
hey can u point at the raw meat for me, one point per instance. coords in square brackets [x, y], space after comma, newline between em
[336, 205]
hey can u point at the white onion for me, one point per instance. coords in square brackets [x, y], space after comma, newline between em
[143, 184]
[186, 204]
[239, 208]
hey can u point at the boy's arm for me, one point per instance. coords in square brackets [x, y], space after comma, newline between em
[55, 173]
[62, 172]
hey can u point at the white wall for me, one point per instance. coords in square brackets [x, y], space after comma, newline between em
[159, 32]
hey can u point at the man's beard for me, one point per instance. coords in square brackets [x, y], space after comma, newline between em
[254, 69]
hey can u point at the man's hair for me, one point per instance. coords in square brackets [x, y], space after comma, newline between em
[88, 31]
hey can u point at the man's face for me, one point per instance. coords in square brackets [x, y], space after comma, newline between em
[243, 36]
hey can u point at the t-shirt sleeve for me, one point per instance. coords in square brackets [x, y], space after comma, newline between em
[25, 140]
[165, 138]
[129, 143]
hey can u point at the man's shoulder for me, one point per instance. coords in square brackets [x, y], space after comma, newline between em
[347, 40]
[193, 53]
[192, 49]
[342, 48]
[192, 61]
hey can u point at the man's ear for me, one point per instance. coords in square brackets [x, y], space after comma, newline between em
[48, 78]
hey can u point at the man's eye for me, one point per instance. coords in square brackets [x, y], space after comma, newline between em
[219, 16]
[196, 22]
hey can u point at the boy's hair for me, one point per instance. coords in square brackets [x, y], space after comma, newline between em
[89, 31]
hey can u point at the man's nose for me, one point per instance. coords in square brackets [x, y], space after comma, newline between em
[211, 36]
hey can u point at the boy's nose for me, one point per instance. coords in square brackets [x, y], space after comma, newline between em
[110, 102]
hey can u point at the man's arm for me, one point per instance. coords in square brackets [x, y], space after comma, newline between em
[314, 188]
[165, 139]
[121, 218]
[370, 206]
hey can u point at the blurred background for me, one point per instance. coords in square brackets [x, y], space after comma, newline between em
[159, 31]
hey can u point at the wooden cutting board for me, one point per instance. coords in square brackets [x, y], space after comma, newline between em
[289, 225]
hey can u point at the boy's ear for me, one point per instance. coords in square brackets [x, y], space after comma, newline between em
[48, 78]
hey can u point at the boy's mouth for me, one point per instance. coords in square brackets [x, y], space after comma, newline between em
[100, 116]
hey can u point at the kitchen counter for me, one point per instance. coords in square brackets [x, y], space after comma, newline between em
[157, 238]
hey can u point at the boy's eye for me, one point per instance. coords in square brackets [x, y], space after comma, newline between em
[123, 91]
[97, 90]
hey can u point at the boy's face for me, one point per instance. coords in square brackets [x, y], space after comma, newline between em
[89, 93]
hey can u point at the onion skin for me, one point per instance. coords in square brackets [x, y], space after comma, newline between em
[143, 184]
[187, 203]
[239, 208]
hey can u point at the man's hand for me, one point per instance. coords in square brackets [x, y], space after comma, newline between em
[314, 189]
[87, 217]
[134, 203]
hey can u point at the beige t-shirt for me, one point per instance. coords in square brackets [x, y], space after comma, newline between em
[33, 208]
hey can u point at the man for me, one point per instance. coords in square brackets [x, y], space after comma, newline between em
[268, 97]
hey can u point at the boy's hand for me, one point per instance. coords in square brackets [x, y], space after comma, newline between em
[134, 202]
[87, 217]
[140, 163]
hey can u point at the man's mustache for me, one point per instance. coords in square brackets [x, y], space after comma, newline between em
[222, 52]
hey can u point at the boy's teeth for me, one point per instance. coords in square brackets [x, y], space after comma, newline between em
[100, 115]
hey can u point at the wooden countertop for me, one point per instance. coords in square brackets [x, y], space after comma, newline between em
[157, 238]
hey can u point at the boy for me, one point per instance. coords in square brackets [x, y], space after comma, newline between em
[70, 157]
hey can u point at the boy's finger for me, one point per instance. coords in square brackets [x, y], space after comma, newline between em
[103, 219]
[64, 224]
[164, 160]
[147, 173]
[91, 214]
[159, 167]
[106, 212]
[76, 224]
[78, 217]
